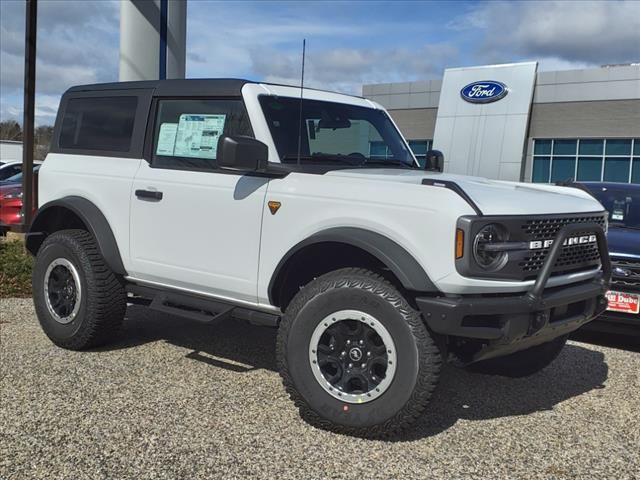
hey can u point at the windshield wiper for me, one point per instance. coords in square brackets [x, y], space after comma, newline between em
[388, 162]
[324, 157]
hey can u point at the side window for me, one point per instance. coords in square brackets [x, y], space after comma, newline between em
[187, 131]
[98, 123]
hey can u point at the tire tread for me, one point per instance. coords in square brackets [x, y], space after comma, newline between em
[105, 297]
[429, 358]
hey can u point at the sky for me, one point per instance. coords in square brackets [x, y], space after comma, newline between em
[348, 43]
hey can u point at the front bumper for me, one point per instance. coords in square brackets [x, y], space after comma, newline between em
[509, 323]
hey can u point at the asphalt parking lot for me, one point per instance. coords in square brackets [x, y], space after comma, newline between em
[175, 399]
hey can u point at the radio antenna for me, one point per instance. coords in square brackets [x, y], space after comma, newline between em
[304, 45]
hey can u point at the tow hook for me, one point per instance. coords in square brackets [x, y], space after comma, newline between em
[539, 321]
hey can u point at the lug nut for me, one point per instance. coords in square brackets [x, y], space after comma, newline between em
[368, 354]
[361, 342]
[348, 342]
[351, 365]
[343, 354]
[363, 365]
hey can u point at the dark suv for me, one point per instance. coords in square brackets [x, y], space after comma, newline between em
[622, 201]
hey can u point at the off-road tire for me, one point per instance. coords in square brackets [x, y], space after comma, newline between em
[524, 363]
[418, 363]
[103, 298]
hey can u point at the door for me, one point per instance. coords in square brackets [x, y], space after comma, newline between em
[194, 226]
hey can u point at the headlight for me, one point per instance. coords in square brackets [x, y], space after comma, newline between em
[484, 251]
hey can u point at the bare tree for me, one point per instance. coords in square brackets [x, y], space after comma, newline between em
[10, 130]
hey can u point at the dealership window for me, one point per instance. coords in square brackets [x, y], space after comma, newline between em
[418, 147]
[586, 159]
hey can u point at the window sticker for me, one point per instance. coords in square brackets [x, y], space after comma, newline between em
[167, 139]
[197, 135]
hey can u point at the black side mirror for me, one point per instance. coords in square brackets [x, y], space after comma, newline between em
[434, 161]
[241, 153]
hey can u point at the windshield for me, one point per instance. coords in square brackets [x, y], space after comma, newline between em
[17, 178]
[334, 133]
[622, 202]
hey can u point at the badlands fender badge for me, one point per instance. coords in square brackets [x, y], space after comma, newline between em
[273, 206]
[579, 240]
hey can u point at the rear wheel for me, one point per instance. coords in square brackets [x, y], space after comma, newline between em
[524, 363]
[79, 301]
[355, 357]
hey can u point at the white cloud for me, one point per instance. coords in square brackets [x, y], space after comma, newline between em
[554, 64]
[77, 43]
[266, 44]
[577, 32]
[347, 69]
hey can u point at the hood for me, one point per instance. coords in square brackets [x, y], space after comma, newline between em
[493, 197]
[623, 242]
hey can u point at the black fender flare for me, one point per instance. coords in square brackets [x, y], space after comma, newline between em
[396, 258]
[94, 220]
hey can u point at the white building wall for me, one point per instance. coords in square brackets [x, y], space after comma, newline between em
[619, 82]
[140, 39]
[489, 139]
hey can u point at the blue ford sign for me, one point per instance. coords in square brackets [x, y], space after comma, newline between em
[486, 91]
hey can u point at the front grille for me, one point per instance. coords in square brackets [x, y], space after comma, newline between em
[572, 258]
[526, 259]
[628, 281]
[541, 229]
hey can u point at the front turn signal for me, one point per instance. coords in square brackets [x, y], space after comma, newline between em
[459, 243]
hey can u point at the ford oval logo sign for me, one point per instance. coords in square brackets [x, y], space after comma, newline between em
[484, 92]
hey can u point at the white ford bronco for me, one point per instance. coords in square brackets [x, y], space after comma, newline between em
[230, 199]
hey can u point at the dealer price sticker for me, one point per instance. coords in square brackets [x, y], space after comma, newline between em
[623, 302]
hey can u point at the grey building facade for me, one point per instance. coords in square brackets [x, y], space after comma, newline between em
[547, 127]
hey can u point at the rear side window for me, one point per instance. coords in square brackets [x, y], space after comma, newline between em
[187, 131]
[99, 123]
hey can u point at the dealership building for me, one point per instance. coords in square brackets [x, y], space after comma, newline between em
[511, 122]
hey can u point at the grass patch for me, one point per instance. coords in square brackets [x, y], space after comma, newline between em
[15, 269]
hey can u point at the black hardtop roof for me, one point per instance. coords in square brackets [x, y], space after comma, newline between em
[180, 86]
[226, 87]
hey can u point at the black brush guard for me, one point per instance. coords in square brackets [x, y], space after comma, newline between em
[509, 323]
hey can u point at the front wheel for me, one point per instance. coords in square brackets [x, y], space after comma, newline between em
[524, 363]
[355, 357]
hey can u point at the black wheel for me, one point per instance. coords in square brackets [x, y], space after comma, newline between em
[524, 363]
[355, 357]
[79, 301]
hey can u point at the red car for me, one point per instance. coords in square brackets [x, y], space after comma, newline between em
[11, 200]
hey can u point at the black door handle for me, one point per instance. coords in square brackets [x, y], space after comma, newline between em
[149, 194]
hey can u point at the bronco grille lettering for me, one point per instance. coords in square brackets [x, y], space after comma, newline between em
[578, 240]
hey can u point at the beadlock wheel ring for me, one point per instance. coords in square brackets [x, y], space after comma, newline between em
[62, 290]
[352, 356]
